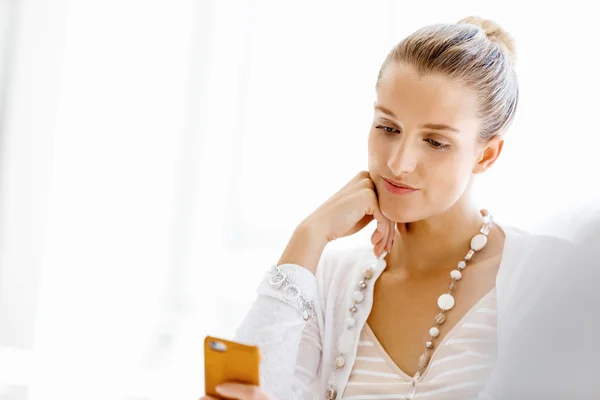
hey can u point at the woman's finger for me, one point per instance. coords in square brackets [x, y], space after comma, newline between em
[380, 247]
[376, 237]
[371, 207]
[360, 177]
[392, 235]
[383, 227]
[242, 391]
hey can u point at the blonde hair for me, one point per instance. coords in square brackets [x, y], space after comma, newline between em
[474, 51]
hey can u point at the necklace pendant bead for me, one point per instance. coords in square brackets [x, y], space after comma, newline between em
[478, 242]
[456, 275]
[440, 318]
[446, 302]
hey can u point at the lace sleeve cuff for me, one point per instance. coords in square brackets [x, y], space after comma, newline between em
[293, 285]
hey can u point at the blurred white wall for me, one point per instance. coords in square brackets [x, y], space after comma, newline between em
[27, 132]
[29, 72]
[156, 156]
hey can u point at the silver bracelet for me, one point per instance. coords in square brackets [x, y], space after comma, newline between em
[291, 293]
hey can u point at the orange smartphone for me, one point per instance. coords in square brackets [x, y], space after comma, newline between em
[226, 361]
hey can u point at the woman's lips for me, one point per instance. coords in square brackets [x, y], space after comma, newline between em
[397, 189]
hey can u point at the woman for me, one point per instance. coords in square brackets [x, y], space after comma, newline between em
[423, 312]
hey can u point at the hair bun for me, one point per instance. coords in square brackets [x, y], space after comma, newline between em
[496, 34]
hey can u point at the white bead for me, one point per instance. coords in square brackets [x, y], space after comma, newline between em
[358, 296]
[456, 275]
[345, 342]
[434, 332]
[478, 242]
[350, 322]
[469, 255]
[368, 274]
[446, 302]
[462, 265]
[340, 362]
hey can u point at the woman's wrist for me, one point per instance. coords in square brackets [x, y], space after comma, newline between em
[304, 248]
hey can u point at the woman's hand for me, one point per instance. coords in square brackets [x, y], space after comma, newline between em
[240, 391]
[351, 209]
[348, 211]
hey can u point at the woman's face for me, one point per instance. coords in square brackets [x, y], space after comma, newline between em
[424, 136]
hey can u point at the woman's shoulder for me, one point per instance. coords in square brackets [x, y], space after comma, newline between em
[520, 242]
[529, 257]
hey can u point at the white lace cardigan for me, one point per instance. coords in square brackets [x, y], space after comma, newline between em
[298, 356]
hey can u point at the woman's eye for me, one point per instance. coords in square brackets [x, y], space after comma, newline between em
[387, 129]
[437, 145]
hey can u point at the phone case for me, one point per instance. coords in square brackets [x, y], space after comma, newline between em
[226, 361]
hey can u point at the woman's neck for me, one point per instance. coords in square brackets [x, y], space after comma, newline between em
[426, 246]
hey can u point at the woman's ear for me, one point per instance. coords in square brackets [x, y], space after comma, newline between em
[489, 154]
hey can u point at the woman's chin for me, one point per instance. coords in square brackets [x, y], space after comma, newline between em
[401, 211]
[400, 217]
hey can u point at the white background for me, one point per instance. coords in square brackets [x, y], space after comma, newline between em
[156, 156]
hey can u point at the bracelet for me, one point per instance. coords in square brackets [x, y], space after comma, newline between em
[291, 293]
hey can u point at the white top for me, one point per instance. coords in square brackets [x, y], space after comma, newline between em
[298, 357]
[459, 367]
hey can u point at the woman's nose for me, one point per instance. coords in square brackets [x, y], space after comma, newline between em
[403, 157]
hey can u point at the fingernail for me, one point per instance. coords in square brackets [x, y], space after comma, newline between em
[221, 390]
